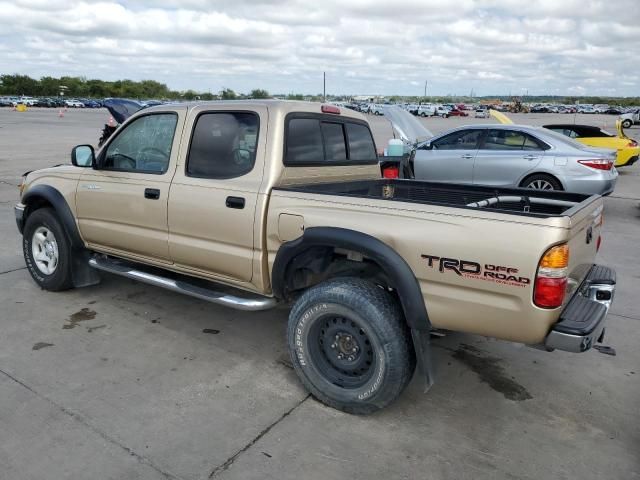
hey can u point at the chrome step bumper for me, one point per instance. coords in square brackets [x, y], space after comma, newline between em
[582, 321]
[124, 269]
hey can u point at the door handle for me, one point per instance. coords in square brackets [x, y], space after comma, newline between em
[235, 202]
[152, 193]
[530, 157]
[467, 156]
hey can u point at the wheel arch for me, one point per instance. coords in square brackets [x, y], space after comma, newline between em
[43, 196]
[541, 172]
[40, 196]
[395, 268]
[392, 264]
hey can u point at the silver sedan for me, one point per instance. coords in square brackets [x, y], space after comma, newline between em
[515, 155]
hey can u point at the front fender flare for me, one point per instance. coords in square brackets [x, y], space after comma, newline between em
[57, 200]
[81, 273]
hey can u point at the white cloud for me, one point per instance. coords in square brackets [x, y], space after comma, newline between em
[376, 46]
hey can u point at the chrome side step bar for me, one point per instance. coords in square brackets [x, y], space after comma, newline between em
[249, 303]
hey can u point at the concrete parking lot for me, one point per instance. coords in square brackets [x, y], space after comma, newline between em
[126, 381]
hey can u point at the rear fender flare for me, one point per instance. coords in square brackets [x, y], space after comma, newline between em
[394, 266]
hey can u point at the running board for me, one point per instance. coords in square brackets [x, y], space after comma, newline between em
[123, 269]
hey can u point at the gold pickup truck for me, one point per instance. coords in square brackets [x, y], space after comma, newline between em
[251, 204]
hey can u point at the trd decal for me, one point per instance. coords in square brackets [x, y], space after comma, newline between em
[469, 269]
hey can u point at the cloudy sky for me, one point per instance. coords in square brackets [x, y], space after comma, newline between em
[576, 47]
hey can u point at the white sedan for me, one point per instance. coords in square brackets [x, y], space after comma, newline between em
[74, 103]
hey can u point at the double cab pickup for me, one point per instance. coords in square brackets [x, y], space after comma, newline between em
[252, 204]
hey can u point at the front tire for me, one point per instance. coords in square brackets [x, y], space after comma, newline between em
[626, 123]
[47, 251]
[350, 345]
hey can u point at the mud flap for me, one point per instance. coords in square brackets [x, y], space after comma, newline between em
[424, 358]
[82, 274]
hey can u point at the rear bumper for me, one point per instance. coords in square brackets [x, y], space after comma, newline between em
[582, 321]
[590, 185]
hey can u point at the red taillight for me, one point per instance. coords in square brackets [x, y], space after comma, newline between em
[632, 143]
[391, 172]
[549, 292]
[597, 163]
[551, 279]
[330, 109]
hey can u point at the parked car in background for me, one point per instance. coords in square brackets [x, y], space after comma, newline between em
[442, 111]
[517, 156]
[412, 108]
[539, 109]
[5, 102]
[630, 118]
[375, 109]
[481, 113]
[613, 111]
[426, 110]
[46, 103]
[72, 103]
[88, 103]
[627, 149]
[458, 113]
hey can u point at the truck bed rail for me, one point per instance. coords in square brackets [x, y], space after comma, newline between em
[519, 201]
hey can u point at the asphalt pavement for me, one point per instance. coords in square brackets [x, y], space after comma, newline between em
[127, 381]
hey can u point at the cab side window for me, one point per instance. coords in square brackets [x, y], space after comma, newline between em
[223, 145]
[143, 146]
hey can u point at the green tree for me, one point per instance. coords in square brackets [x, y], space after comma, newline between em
[259, 93]
[228, 94]
[19, 85]
[190, 95]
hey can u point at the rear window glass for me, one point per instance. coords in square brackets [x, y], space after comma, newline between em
[336, 149]
[312, 141]
[304, 142]
[510, 140]
[361, 146]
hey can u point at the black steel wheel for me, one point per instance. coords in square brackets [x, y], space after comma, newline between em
[350, 345]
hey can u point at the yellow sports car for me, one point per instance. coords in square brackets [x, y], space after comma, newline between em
[627, 148]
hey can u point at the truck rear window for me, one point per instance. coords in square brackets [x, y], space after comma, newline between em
[319, 141]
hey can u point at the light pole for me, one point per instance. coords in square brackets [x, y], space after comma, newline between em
[324, 87]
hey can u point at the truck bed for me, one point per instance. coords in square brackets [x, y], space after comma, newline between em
[516, 201]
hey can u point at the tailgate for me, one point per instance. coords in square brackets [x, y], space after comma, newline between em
[584, 240]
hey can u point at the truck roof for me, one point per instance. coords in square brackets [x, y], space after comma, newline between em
[280, 106]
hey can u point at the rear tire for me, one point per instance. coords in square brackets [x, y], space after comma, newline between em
[47, 251]
[541, 181]
[350, 345]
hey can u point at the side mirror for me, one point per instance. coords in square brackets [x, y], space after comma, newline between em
[425, 146]
[83, 156]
